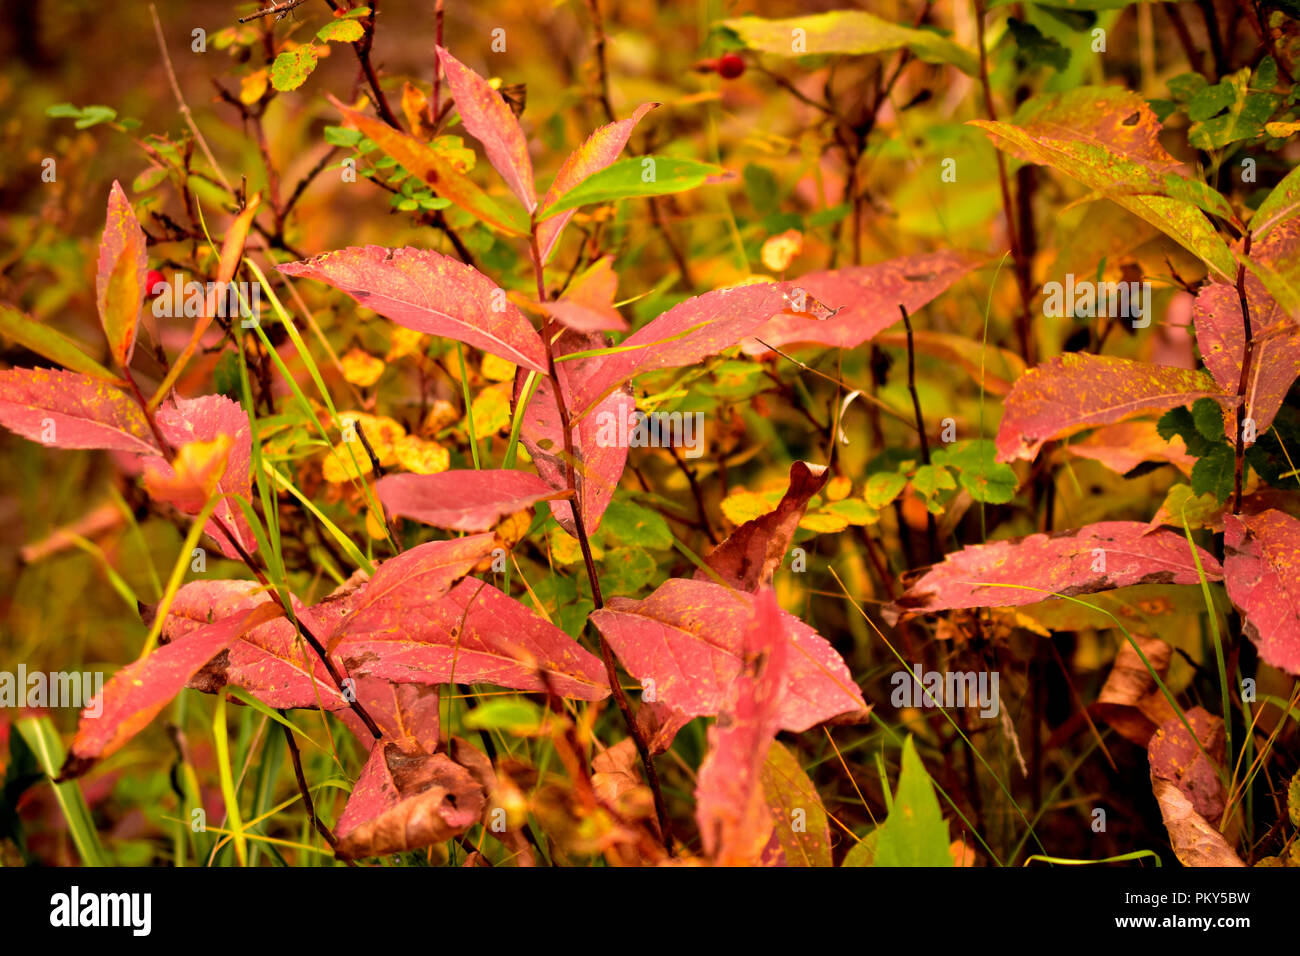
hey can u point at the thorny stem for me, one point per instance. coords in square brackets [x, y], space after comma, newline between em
[580, 530]
[1247, 349]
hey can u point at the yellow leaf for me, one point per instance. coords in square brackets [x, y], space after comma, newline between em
[496, 369]
[194, 474]
[491, 409]
[252, 87]
[838, 488]
[404, 342]
[823, 523]
[361, 368]
[346, 461]
[415, 107]
[375, 525]
[422, 457]
[780, 250]
[741, 505]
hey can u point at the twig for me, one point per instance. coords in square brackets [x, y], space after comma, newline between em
[932, 535]
[181, 104]
[316, 821]
[1247, 351]
[279, 9]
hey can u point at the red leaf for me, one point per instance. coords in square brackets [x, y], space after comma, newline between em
[1097, 557]
[137, 692]
[202, 420]
[1175, 757]
[1275, 357]
[1075, 390]
[684, 335]
[473, 635]
[489, 119]
[600, 150]
[69, 410]
[410, 583]
[1262, 572]
[866, 297]
[588, 303]
[598, 464]
[120, 278]
[734, 820]
[405, 713]
[406, 799]
[687, 637]
[270, 661]
[431, 293]
[753, 552]
[461, 500]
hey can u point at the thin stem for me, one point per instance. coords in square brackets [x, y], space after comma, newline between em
[932, 534]
[580, 531]
[1248, 349]
[316, 821]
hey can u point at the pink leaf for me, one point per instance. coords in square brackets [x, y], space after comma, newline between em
[598, 463]
[269, 661]
[473, 635]
[684, 335]
[461, 500]
[136, 693]
[410, 583]
[750, 555]
[121, 275]
[866, 297]
[202, 420]
[489, 119]
[69, 410]
[688, 637]
[734, 820]
[431, 293]
[1075, 390]
[588, 303]
[1262, 572]
[1275, 356]
[1097, 557]
[598, 152]
[405, 713]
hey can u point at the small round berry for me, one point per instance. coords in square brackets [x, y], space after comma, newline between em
[153, 280]
[730, 66]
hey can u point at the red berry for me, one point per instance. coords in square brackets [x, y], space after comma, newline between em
[152, 281]
[730, 66]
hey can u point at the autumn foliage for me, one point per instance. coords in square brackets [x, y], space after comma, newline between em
[866, 448]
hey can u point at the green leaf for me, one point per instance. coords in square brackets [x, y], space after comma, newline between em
[929, 480]
[633, 177]
[1207, 415]
[1215, 472]
[513, 715]
[627, 570]
[915, 832]
[291, 69]
[342, 136]
[851, 32]
[63, 110]
[863, 853]
[1247, 112]
[1282, 203]
[341, 31]
[883, 488]
[798, 816]
[1034, 49]
[148, 179]
[985, 478]
[49, 343]
[629, 523]
[94, 115]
